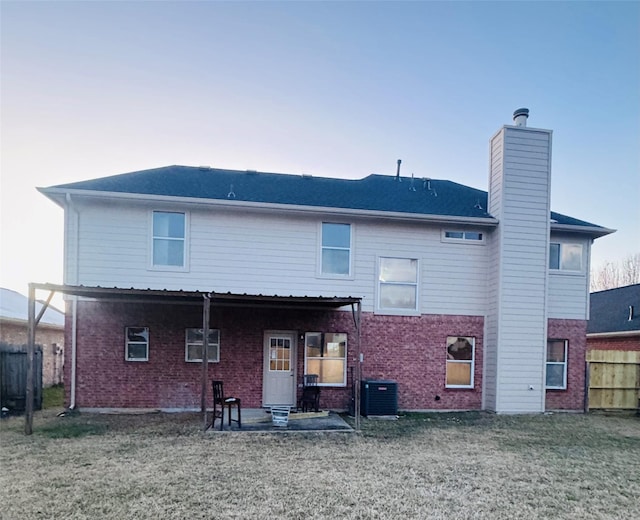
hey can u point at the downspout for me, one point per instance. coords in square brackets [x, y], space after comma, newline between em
[74, 301]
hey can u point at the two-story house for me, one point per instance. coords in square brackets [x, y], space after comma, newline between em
[468, 299]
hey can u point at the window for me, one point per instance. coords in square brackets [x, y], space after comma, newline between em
[565, 257]
[279, 354]
[398, 284]
[326, 355]
[169, 232]
[557, 364]
[137, 344]
[473, 236]
[460, 361]
[336, 249]
[194, 340]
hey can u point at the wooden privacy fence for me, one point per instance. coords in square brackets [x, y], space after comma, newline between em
[13, 377]
[613, 379]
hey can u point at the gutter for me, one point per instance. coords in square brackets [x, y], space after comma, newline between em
[621, 334]
[595, 231]
[74, 304]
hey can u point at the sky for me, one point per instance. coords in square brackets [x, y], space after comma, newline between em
[338, 89]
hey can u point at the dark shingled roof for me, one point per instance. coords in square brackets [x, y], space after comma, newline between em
[610, 310]
[374, 192]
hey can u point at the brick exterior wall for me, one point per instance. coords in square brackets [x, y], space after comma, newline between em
[573, 397]
[412, 351]
[52, 340]
[621, 343]
[409, 350]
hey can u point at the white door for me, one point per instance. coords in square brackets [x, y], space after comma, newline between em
[279, 387]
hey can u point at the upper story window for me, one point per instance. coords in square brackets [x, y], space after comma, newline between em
[466, 236]
[169, 239]
[398, 284]
[336, 249]
[565, 256]
[136, 344]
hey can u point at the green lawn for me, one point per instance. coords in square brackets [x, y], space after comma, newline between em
[423, 466]
[53, 397]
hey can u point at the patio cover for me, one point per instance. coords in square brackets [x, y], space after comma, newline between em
[164, 296]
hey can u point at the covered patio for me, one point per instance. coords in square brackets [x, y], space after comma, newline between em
[208, 301]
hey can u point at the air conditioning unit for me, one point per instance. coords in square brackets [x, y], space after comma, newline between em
[378, 397]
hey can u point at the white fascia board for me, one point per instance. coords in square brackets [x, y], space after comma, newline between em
[596, 232]
[56, 194]
[623, 334]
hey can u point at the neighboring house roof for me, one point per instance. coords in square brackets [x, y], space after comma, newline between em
[615, 310]
[381, 193]
[14, 307]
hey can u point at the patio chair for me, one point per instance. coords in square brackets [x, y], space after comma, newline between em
[220, 401]
[310, 398]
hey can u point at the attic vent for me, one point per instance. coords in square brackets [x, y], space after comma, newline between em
[307, 176]
[204, 168]
[252, 171]
[631, 309]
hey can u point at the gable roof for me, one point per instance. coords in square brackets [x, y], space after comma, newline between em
[14, 307]
[610, 310]
[380, 193]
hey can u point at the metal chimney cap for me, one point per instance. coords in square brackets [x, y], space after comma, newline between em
[521, 112]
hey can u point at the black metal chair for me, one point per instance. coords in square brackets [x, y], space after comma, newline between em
[310, 398]
[220, 401]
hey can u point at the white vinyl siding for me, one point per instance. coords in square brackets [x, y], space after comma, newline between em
[245, 252]
[516, 323]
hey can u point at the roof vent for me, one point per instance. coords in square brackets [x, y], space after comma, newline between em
[411, 186]
[478, 205]
[631, 316]
[520, 116]
[398, 170]
[231, 194]
[204, 168]
[426, 186]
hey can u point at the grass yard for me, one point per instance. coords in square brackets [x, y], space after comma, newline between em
[426, 466]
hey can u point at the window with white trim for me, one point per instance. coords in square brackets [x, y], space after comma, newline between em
[326, 355]
[336, 249]
[194, 343]
[398, 284]
[169, 239]
[565, 257]
[136, 344]
[556, 364]
[466, 236]
[460, 361]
